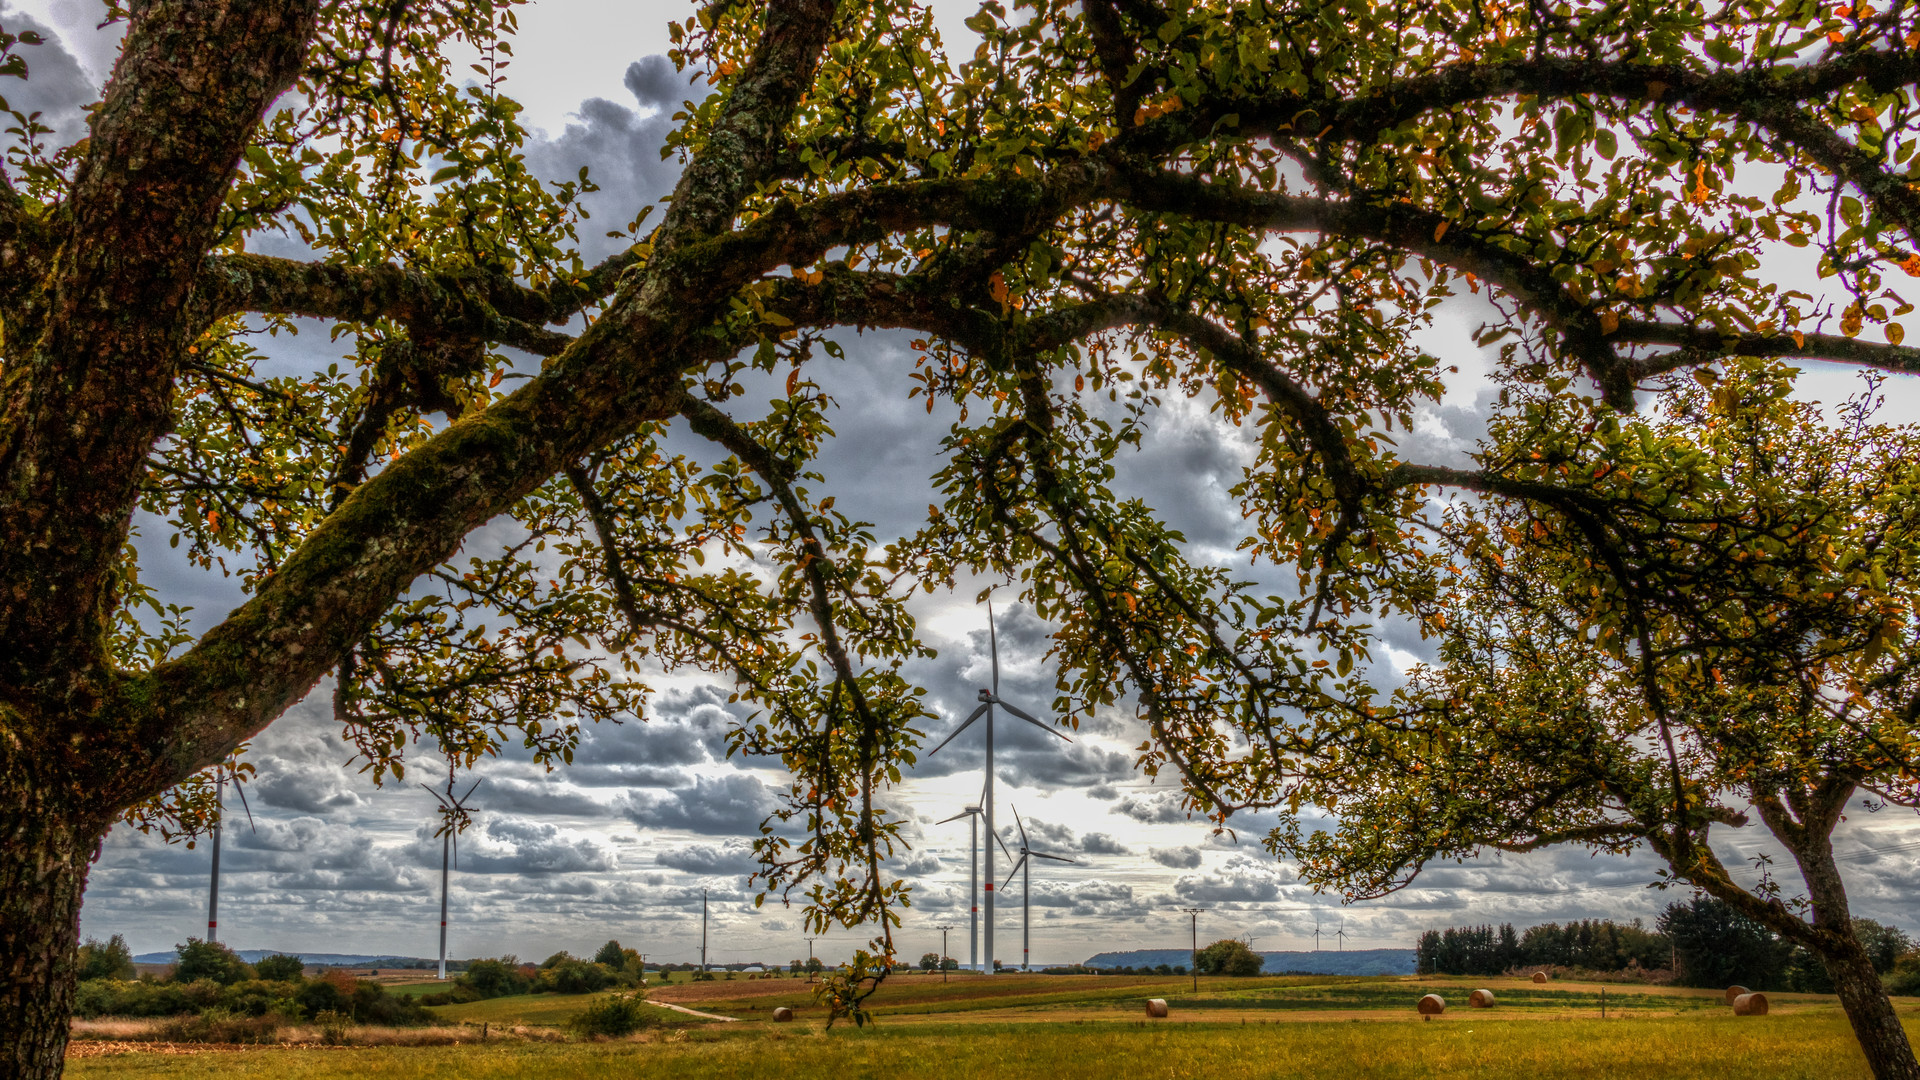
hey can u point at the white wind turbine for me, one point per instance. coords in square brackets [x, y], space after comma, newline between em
[451, 808]
[988, 699]
[219, 816]
[1024, 867]
[972, 814]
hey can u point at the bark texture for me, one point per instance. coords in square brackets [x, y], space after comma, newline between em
[45, 849]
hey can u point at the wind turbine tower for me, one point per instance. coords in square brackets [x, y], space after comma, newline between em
[451, 808]
[972, 813]
[1024, 867]
[988, 699]
[1341, 934]
[219, 818]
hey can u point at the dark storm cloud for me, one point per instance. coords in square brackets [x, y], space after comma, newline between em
[620, 149]
[725, 806]
[1179, 858]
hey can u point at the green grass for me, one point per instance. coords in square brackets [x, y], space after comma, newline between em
[1706, 1046]
[551, 1010]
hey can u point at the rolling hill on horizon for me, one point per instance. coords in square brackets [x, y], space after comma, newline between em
[1338, 962]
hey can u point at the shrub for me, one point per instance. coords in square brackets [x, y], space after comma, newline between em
[613, 1016]
[333, 1028]
[611, 955]
[494, 978]
[109, 960]
[574, 977]
[280, 968]
[1228, 957]
[1905, 977]
[209, 960]
[116, 997]
[453, 995]
[222, 1026]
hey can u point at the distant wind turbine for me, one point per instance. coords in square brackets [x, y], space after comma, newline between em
[988, 699]
[450, 807]
[1316, 931]
[972, 813]
[219, 815]
[1024, 868]
[1341, 934]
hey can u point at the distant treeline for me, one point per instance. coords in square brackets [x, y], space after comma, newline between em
[1593, 944]
[1701, 942]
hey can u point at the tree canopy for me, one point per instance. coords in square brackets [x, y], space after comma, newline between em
[1103, 208]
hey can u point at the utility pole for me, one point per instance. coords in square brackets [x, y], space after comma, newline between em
[809, 959]
[943, 951]
[703, 929]
[1194, 912]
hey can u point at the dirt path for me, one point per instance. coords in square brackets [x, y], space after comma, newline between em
[695, 1012]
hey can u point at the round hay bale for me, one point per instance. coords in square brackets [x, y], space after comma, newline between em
[1157, 1007]
[783, 1015]
[1481, 999]
[1539, 976]
[1736, 991]
[1750, 1005]
[1432, 1005]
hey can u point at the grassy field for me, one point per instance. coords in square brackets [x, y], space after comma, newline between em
[1809, 1046]
[1055, 1027]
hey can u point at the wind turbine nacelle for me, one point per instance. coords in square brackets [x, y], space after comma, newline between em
[985, 695]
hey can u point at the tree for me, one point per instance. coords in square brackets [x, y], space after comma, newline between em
[280, 967]
[104, 960]
[1097, 210]
[1228, 957]
[1679, 617]
[612, 955]
[929, 961]
[209, 960]
[1719, 947]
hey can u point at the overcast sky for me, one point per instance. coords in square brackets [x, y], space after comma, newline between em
[623, 843]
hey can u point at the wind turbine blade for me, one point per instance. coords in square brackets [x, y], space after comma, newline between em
[964, 725]
[242, 792]
[1003, 845]
[955, 817]
[471, 790]
[993, 645]
[1022, 826]
[435, 794]
[1012, 872]
[1055, 858]
[1029, 718]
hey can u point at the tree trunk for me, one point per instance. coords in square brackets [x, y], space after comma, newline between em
[1862, 995]
[1875, 1024]
[43, 871]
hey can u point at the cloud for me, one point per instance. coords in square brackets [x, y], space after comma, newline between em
[620, 148]
[506, 844]
[725, 806]
[1163, 809]
[1099, 843]
[1179, 858]
[1241, 880]
[550, 796]
[732, 858]
[309, 789]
